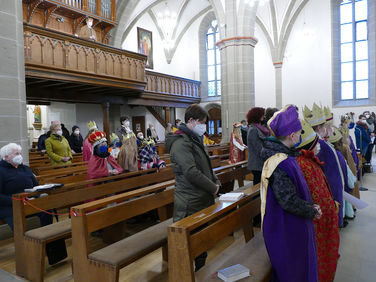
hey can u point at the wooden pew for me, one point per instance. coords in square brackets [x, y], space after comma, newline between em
[30, 245]
[201, 231]
[104, 264]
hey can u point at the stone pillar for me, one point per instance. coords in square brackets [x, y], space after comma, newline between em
[278, 84]
[238, 91]
[13, 125]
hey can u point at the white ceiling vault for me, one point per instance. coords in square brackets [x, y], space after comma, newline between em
[275, 18]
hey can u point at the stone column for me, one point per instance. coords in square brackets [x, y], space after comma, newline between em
[278, 84]
[13, 125]
[238, 91]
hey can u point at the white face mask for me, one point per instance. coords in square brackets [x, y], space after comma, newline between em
[367, 116]
[77, 132]
[126, 124]
[364, 121]
[199, 129]
[59, 132]
[17, 160]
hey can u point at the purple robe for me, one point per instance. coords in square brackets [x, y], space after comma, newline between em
[290, 239]
[333, 175]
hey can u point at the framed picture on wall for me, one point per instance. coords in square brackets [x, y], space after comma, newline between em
[145, 45]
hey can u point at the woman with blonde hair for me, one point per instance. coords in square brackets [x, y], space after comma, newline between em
[57, 146]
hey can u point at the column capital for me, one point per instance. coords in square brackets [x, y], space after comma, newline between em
[278, 65]
[237, 41]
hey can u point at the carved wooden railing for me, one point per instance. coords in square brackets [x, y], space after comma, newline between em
[53, 54]
[171, 85]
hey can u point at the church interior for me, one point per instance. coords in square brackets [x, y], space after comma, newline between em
[90, 63]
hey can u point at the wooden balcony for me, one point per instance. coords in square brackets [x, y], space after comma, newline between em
[60, 67]
[68, 16]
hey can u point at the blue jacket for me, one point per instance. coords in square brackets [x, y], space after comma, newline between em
[362, 138]
[12, 181]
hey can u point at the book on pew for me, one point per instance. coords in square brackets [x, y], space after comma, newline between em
[44, 187]
[231, 197]
[233, 273]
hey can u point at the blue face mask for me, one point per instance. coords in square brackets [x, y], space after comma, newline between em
[103, 149]
[300, 142]
[117, 144]
[351, 125]
[244, 126]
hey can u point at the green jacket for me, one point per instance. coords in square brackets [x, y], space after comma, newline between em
[195, 180]
[57, 148]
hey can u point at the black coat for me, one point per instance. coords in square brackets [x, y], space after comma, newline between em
[76, 143]
[12, 181]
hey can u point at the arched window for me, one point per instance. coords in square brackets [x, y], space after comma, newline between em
[354, 50]
[213, 60]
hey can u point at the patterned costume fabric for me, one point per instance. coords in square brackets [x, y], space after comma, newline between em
[326, 229]
[236, 155]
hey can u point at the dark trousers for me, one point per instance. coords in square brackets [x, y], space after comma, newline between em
[368, 155]
[45, 219]
[256, 176]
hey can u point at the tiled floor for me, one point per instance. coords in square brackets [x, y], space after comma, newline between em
[358, 240]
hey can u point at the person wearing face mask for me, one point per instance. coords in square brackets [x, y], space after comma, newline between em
[128, 150]
[326, 229]
[115, 146]
[15, 177]
[287, 208]
[57, 146]
[196, 183]
[362, 137]
[87, 150]
[151, 133]
[101, 164]
[76, 140]
[328, 155]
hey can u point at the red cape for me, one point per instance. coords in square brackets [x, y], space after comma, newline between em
[97, 167]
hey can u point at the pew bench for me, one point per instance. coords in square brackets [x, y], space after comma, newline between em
[30, 245]
[201, 231]
[252, 255]
[104, 264]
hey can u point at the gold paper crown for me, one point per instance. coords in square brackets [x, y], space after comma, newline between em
[314, 117]
[336, 136]
[344, 130]
[328, 115]
[92, 125]
[113, 137]
[308, 134]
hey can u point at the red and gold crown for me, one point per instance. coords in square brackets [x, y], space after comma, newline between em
[96, 138]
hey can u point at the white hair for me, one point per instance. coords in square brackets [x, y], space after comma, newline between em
[9, 149]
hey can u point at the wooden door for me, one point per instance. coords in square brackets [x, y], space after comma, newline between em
[138, 125]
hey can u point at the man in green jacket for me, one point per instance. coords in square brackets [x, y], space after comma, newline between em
[196, 183]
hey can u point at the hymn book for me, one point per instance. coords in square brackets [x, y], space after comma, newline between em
[231, 197]
[233, 273]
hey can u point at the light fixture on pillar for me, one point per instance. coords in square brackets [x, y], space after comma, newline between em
[253, 2]
[167, 23]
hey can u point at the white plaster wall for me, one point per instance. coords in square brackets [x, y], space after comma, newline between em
[264, 72]
[185, 62]
[63, 112]
[125, 110]
[307, 67]
[180, 112]
[86, 113]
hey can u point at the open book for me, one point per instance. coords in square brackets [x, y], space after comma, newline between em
[233, 273]
[231, 197]
[44, 187]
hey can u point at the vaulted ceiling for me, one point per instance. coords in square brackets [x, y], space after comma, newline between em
[275, 18]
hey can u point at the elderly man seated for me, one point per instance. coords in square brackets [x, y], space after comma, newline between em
[15, 177]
